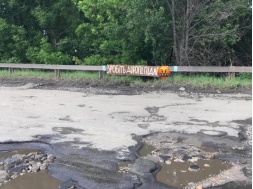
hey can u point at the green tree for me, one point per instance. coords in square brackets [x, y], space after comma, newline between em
[13, 43]
[204, 31]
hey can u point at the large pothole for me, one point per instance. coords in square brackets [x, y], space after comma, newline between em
[26, 169]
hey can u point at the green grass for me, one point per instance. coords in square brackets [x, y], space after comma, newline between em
[200, 81]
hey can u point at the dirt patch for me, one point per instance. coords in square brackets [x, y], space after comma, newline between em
[105, 87]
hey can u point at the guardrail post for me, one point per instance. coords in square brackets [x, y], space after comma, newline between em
[231, 73]
[11, 70]
[57, 73]
[101, 74]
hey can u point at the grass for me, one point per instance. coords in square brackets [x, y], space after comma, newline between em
[200, 81]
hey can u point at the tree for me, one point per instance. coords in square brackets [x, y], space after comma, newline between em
[13, 43]
[201, 28]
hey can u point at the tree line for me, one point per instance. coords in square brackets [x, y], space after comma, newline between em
[137, 32]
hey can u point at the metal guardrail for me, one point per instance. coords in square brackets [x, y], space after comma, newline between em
[56, 68]
[127, 69]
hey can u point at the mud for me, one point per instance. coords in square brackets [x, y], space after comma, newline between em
[179, 175]
[40, 180]
[113, 88]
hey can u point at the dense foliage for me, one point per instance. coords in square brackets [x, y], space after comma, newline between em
[145, 32]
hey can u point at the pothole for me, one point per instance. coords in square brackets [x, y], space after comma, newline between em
[26, 169]
[39, 180]
[179, 167]
[180, 174]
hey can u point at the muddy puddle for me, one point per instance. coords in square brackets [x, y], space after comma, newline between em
[40, 180]
[180, 174]
[24, 180]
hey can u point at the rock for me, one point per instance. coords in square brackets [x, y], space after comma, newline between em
[186, 158]
[206, 165]
[182, 89]
[247, 171]
[35, 166]
[31, 155]
[68, 184]
[38, 157]
[43, 166]
[50, 157]
[10, 162]
[164, 158]
[193, 168]
[15, 175]
[17, 169]
[19, 156]
[3, 175]
[142, 166]
[168, 162]
[43, 158]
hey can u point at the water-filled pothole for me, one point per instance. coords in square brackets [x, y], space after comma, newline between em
[179, 174]
[25, 169]
[39, 180]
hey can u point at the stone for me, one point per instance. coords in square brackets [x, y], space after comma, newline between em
[142, 166]
[168, 162]
[17, 169]
[1, 161]
[164, 158]
[206, 165]
[35, 166]
[43, 166]
[67, 184]
[10, 162]
[186, 158]
[31, 155]
[15, 175]
[247, 171]
[50, 157]
[38, 156]
[193, 168]
[3, 175]
[182, 89]
[19, 156]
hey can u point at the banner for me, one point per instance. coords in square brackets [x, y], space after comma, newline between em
[132, 70]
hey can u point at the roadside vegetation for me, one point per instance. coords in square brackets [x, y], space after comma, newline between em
[140, 32]
[243, 80]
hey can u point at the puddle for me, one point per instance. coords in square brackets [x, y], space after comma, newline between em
[40, 180]
[6, 154]
[146, 150]
[177, 173]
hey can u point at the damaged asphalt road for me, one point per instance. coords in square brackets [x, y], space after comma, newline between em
[90, 133]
